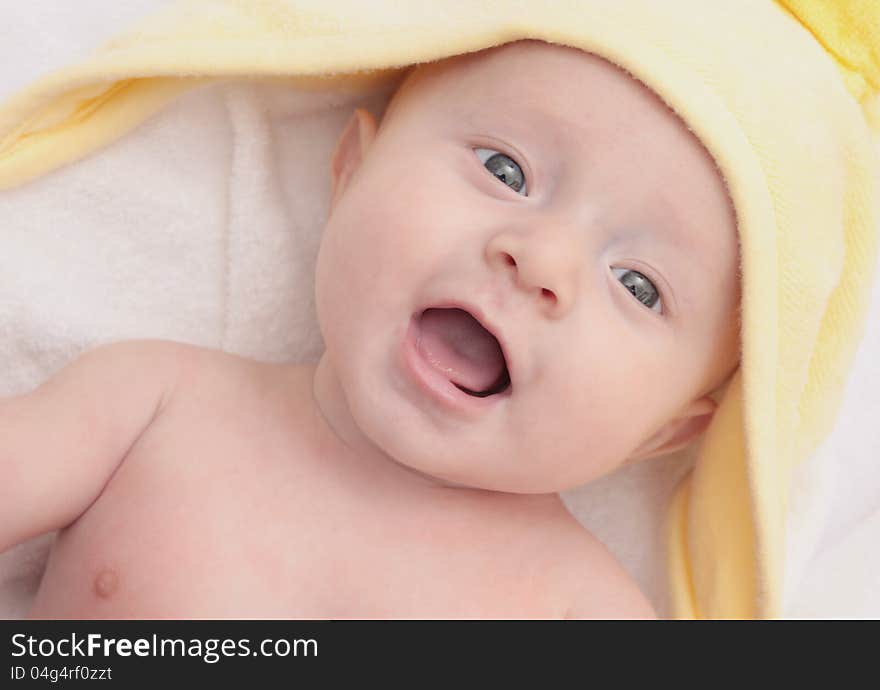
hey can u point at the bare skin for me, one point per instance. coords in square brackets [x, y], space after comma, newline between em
[237, 500]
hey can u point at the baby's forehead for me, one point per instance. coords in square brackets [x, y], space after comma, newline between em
[501, 66]
[530, 77]
[551, 91]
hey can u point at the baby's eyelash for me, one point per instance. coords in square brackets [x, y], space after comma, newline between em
[504, 168]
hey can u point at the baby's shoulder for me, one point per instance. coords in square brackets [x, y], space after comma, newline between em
[581, 575]
[184, 360]
[593, 582]
[210, 372]
[224, 390]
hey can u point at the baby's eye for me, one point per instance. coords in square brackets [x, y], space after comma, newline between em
[641, 288]
[504, 168]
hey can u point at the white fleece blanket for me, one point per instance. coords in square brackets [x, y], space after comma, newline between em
[203, 226]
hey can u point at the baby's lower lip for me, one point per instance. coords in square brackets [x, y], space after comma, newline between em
[431, 380]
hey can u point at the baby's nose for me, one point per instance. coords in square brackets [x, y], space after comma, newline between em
[544, 262]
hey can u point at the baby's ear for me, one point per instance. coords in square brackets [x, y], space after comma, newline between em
[678, 432]
[350, 149]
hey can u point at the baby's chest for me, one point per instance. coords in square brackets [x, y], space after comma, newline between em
[248, 528]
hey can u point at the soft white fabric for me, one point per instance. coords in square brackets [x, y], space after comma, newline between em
[203, 226]
[832, 555]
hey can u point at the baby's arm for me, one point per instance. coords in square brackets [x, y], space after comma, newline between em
[61, 443]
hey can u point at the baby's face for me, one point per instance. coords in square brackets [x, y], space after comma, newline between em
[543, 195]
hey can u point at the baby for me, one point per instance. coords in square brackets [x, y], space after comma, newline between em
[521, 287]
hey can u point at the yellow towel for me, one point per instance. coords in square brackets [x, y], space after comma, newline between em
[783, 94]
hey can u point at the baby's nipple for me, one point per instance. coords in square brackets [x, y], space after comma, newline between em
[106, 583]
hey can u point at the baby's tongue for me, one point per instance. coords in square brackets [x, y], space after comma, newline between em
[454, 342]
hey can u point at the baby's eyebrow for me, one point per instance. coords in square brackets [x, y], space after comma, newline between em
[526, 115]
[677, 223]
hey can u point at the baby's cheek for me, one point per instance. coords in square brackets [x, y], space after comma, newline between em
[385, 231]
[598, 406]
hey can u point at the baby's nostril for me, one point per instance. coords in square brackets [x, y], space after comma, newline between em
[548, 293]
[510, 260]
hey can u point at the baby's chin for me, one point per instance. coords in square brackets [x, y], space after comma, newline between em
[435, 480]
[478, 475]
[466, 462]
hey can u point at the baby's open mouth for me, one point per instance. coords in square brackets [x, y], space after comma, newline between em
[457, 344]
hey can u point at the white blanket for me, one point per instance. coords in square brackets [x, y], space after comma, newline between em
[203, 225]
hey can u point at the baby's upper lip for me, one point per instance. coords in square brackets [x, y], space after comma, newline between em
[489, 324]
